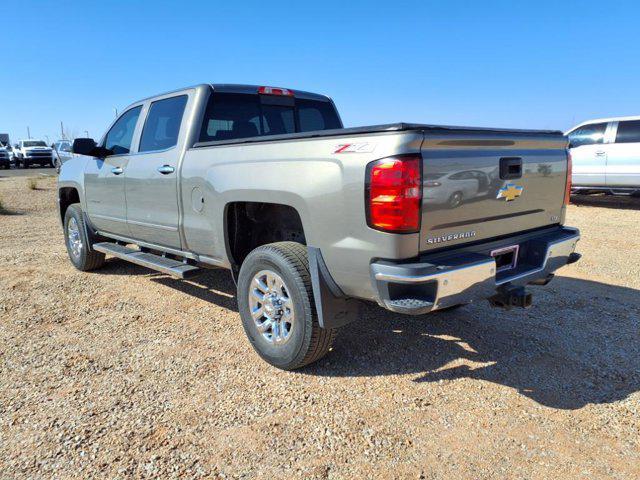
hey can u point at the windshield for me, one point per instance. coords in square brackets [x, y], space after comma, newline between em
[34, 143]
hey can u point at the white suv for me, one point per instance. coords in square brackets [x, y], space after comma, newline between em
[606, 155]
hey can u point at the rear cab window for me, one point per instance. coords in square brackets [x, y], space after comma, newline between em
[242, 115]
[590, 134]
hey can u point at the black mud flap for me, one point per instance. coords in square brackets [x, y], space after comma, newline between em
[334, 309]
[92, 236]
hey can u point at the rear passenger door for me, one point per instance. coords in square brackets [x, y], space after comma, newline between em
[588, 154]
[623, 159]
[151, 178]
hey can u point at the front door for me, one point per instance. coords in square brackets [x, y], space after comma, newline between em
[588, 154]
[104, 178]
[151, 183]
[623, 156]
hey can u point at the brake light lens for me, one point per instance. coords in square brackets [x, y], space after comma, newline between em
[275, 91]
[394, 194]
[567, 192]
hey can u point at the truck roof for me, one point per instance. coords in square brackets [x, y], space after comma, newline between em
[239, 88]
[234, 88]
[604, 120]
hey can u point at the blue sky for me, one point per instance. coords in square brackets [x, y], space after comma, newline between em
[486, 63]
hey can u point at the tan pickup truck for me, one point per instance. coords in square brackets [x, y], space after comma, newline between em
[311, 217]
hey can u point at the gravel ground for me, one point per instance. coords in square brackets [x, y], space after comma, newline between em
[124, 373]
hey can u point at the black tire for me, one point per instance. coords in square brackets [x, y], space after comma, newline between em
[307, 342]
[87, 258]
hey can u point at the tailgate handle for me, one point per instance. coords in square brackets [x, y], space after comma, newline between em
[510, 167]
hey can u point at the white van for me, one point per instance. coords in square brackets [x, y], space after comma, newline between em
[606, 155]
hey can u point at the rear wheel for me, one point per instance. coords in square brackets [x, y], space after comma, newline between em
[276, 304]
[78, 245]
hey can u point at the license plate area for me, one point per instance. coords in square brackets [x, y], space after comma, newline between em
[506, 258]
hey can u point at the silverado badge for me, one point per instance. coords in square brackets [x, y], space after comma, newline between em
[510, 192]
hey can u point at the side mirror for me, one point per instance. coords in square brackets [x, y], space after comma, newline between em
[88, 146]
[84, 146]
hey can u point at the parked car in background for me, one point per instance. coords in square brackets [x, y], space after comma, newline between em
[61, 152]
[33, 152]
[606, 156]
[5, 157]
[5, 151]
[310, 216]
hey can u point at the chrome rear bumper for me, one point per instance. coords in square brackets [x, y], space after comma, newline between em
[468, 274]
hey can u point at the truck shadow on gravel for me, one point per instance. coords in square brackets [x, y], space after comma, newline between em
[607, 201]
[215, 285]
[578, 344]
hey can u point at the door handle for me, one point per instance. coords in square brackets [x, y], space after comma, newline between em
[600, 152]
[117, 170]
[166, 169]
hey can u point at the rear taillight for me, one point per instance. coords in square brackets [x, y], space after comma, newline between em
[567, 192]
[394, 194]
[275, 91]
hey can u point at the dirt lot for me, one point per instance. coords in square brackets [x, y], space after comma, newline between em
[126, 373]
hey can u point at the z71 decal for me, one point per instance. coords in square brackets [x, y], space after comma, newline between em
[355, 148]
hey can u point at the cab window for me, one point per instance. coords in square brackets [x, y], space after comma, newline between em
[587, 135]
[628, 132]
[162, 126]
[119, 138]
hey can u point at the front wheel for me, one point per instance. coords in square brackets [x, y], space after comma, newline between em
[276, 304]
[79, 248]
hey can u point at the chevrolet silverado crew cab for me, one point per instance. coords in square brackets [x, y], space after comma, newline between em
[311, 217]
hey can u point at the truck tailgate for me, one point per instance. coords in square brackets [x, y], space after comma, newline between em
[482, 184]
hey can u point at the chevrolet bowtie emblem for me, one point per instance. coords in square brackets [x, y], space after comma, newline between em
[510, 192]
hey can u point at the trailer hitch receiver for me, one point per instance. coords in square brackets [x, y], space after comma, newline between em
[508, 297]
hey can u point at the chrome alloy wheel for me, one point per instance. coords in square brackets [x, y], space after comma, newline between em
[271, 307]
[74, 238]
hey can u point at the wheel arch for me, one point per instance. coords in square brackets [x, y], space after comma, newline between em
[67, 195]
[250, 224]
